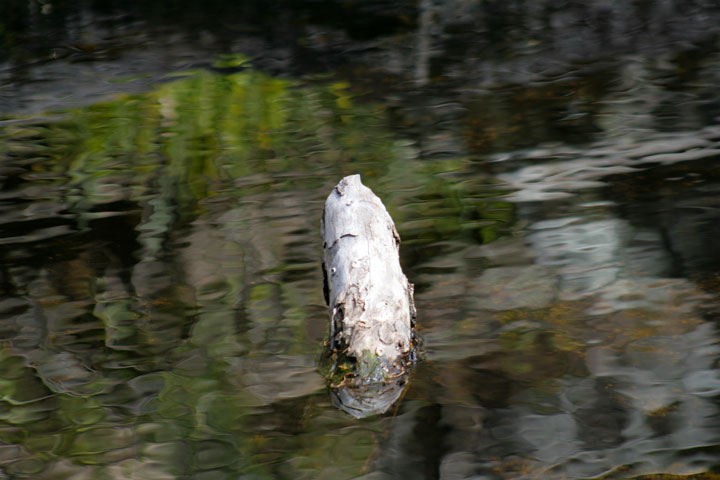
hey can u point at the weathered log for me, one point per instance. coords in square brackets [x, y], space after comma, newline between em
[372, 313]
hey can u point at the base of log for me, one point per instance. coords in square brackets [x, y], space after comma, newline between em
[369, 399]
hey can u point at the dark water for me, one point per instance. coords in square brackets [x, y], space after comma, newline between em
[551, 167]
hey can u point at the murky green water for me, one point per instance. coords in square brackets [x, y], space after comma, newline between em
[161, 306]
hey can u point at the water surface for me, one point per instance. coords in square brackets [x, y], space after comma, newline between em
[557, 195]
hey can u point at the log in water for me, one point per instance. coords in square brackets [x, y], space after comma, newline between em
[372, 313]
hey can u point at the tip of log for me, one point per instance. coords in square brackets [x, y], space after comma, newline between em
[347, 182]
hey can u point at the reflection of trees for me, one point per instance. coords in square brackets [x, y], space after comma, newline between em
[683, 211]
[162, 305]
[163, 293]
[643, 379]
[179, 293]
[572, 61]
[622, 375]
[614, 368]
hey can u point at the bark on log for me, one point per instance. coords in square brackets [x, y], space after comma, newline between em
[372, 313]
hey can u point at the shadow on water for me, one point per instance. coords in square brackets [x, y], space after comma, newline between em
[552, 170]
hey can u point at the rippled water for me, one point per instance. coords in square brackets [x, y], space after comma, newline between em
[161, 306]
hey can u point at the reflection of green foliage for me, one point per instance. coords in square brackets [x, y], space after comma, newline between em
[201, 132]
[230, 61]
[205, 130]
[439, 208]
[166, 153]
[165, 382]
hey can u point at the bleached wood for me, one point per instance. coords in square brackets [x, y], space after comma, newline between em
[370, 299]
